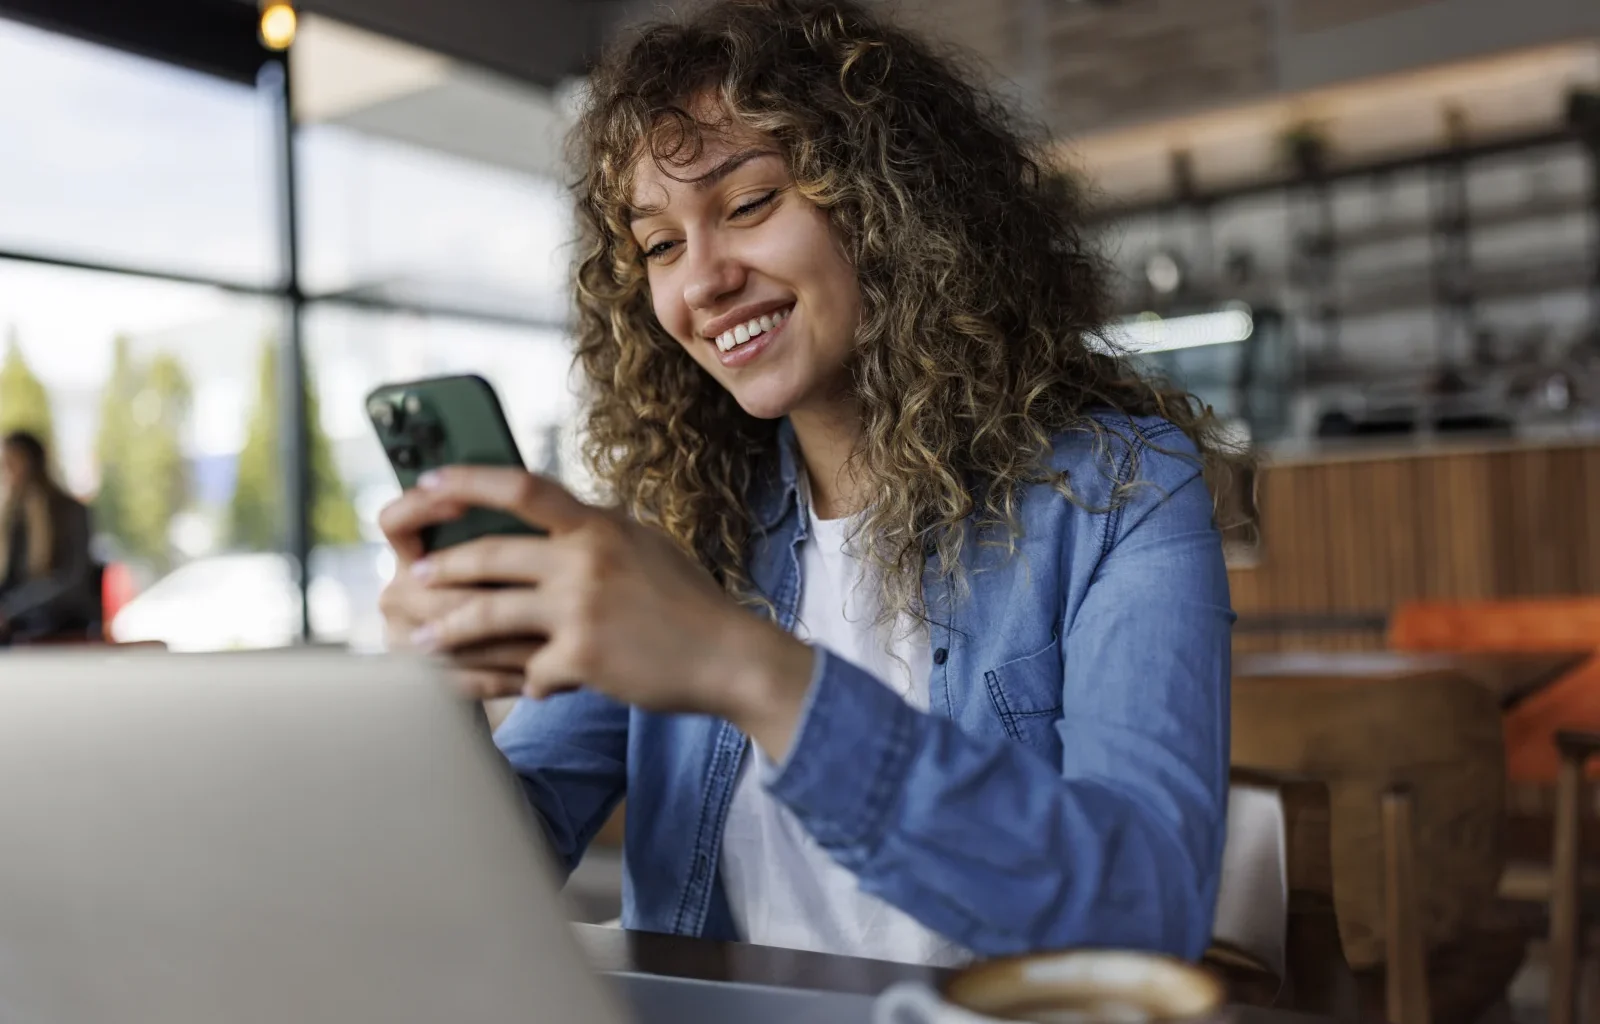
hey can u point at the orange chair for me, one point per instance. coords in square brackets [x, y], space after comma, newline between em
[1553, 733]
[1538, 624]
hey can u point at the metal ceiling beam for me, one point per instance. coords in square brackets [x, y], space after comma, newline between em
[538, 41]
[541, 42]
[206, 35]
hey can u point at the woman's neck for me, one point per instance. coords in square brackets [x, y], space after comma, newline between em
[827, 439]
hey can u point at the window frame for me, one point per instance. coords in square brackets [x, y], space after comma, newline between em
[220, 40]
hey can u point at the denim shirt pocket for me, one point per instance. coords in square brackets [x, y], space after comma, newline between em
[1026, 695]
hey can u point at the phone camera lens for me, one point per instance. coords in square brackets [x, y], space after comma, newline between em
[383, 414]
[406, 457]
[428, 435]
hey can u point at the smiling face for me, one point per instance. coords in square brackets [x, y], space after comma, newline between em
[748, 276]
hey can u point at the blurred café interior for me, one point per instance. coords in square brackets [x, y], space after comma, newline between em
[1367, 232]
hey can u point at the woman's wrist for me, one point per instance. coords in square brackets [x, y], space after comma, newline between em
[764, 681]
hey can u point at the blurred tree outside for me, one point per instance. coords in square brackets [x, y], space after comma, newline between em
[156, 462]
[111, 444]
[256, 516]
[144, 477]
[24, 403]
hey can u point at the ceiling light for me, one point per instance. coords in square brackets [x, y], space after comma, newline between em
[1151, 333]
[278, 24]
[1164, 273]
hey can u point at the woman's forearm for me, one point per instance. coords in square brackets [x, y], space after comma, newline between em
[763, 684]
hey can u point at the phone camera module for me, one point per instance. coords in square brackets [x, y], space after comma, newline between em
[428, 435]
[382, 413]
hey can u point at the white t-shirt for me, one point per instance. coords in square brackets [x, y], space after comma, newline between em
[784, 890]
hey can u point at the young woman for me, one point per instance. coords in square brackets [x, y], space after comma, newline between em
[46, 578]
[906, 630]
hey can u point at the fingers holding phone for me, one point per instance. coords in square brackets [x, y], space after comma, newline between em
[483, 672]
[423, 426]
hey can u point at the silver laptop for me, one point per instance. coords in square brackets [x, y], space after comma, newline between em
[267, 838]
[288, 837]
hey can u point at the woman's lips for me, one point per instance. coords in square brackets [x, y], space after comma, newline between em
[752, 349]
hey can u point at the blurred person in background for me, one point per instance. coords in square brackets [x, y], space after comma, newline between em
[47, 584]
[839, 328]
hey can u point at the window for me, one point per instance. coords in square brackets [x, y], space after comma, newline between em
[350, 352]
[393, 221]
[145, 312]
[435, 235]
[147, 392]
[116, 159]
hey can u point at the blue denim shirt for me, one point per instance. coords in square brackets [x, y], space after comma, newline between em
[1067, 786]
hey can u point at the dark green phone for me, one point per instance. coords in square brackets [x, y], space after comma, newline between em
[444, 421]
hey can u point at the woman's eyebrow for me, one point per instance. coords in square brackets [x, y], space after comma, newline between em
[707, 180]
[634, 214]
[728, 165]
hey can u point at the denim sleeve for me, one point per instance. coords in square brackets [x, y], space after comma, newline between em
[992, 846]
[570, 752]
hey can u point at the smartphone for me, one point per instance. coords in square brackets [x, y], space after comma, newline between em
[447, 421]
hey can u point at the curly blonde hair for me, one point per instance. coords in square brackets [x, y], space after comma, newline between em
[979, 294]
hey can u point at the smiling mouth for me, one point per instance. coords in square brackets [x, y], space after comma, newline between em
[729, 340]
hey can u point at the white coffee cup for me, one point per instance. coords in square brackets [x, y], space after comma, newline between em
[912, 1003]
[1071, 987]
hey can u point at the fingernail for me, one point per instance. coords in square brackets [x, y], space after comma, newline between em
[430, 480]
[423, 569]
[425, 638]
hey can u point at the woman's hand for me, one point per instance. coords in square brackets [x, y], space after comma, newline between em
[620, 608]
[484, 672]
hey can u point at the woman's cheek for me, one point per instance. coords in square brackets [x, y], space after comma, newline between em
[671, 311]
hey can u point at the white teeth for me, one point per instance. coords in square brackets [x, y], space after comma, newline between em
[731, 339]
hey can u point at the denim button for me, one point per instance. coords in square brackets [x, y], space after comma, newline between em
[940, 655]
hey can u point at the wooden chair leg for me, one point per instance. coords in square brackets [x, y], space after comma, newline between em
[1320, 979]
[1406, 973]
[1566, 875]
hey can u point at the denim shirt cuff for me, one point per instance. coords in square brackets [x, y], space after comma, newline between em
[851, 754]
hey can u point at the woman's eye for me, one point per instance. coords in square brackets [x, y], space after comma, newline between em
[755, 204]
[659, 250]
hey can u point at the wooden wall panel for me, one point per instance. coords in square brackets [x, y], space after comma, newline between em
[1465, 481]
[1394, 496]
[1360, 535]
[1505, 557]
[1566, 495]
[1588, 511]
[1341, 526]
[1312, 584]
[1433, 525]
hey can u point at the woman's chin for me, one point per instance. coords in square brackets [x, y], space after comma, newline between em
[764, 403]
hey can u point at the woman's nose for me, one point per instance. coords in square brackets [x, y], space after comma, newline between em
[713, 274]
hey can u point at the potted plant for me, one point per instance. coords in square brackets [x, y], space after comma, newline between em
[1304, 148]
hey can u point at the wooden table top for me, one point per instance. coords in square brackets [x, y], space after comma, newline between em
[1511, 676]
[674, 956]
